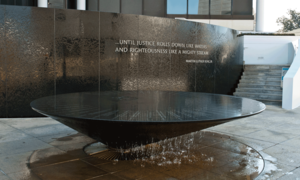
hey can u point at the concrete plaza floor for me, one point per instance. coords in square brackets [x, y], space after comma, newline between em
[274, 133]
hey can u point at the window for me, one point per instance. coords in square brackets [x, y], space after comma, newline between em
[176, 6]
[92, 5]
[220, 7]
[110, 6]
[154, 8]
[59, 4]
[132, 6]
[200, 7]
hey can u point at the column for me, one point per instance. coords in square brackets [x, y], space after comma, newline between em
[43, 3]
[81, 5]
[260, 15]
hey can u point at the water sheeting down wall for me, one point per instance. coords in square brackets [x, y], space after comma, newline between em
[45, 52]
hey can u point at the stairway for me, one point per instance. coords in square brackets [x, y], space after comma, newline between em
[262, 83]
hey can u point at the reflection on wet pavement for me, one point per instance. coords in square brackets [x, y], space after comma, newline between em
[199, 155]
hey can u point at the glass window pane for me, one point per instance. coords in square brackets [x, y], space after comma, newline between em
[59, 4]
[220, 7]
[176, 6]
[154, 8]
[92, 5]
[110, 6]
[199, 7]
[132, 7]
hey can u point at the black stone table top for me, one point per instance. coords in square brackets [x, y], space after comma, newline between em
[147, 106]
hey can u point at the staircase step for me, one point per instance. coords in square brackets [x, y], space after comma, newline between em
[259, 86]
[274, 102]
[276, 83]
[264, 67]
[262, 91]
[258, 96]
[253, 73]
[263, 71]
[265, 78]
[278, 67]
[261, 67]
[262, 83]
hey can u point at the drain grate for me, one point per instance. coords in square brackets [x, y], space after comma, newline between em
[129, 154]
[110, 154]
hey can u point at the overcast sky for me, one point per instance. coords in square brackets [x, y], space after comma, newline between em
[275, 9]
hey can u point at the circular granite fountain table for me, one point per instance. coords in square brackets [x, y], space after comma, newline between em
[123, 119]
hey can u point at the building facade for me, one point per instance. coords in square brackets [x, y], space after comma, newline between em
[235, 14]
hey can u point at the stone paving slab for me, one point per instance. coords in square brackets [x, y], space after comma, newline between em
[51, 138]
[6, 128]
[287, 128]
[293, 175]
[36, 158]
[256, 144]
[285, 154]
[275, 133]
[274, 171]
[235, 129]
[15, 163]
[21, 146]
[4, 177]
[24, 123]
[293, 142]
[13, 135]
[23, 175]
[271, 136]
[47, 130]
[78, 170]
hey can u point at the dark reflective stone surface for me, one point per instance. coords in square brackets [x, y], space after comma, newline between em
[77, 50]
[28, 57]
[3, 70]
[56, 51]
[147, 106]
[125, 118]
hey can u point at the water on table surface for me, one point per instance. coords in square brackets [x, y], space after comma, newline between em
[147, 106]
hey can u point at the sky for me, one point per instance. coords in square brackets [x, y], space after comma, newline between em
[275, 9]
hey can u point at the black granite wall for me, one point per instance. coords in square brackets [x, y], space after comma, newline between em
[45, 52]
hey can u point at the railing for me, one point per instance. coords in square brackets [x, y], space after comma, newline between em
[291, 82]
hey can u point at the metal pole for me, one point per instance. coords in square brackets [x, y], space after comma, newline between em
[209, 8]
[187, 8]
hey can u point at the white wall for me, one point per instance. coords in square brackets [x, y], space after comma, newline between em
[240, 25]
[291, 82]
[81, 5]
[42, 3]
[276, 50]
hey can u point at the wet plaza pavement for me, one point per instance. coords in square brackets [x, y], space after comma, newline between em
[42, 148]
